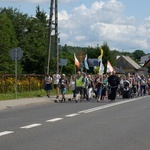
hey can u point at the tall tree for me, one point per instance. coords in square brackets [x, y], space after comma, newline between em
[137, 54]
[31, 33]
[7, 42]
[34, 47]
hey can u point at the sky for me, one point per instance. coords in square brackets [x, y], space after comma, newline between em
[123, 24]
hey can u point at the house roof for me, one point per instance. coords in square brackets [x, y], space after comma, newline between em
[145, 58]
[132, 62]
[147, 63]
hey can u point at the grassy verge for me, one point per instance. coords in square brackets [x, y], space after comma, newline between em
[40, 93]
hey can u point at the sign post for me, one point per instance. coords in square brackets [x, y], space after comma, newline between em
[63, 62]
[16, 54]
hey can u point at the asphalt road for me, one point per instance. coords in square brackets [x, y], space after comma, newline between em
[120, 125]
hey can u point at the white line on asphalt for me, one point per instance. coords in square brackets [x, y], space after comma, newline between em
[30, 126]
[75, 114]
[6, 132]
[71, 115]
[108, 105]
[53, 120]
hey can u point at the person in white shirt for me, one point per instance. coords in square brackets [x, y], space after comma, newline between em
[48, 84]
[56, 78]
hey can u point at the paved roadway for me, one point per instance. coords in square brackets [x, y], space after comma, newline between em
[120, 125]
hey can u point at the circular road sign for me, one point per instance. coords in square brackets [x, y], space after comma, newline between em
[16, 53]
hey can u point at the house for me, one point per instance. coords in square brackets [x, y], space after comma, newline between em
[127, 64]
[147, 66]
[147, 63]
[118, 70]
[144, 59]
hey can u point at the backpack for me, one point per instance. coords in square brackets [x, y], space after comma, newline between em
[63, 83]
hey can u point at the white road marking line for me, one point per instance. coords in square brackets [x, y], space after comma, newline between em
[30, 126]
[75, 114]
[108, 105]
[95, 108]
[6, 132]
[71, 115]
[53, 120]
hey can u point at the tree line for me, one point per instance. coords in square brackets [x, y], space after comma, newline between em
[30, 33]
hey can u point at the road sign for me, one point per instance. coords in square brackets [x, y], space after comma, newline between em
[63, 62]
[16, 53]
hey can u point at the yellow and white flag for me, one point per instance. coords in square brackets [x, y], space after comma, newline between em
[101, 66]
[100, 57]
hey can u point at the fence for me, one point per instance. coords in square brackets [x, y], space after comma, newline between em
[25, 82]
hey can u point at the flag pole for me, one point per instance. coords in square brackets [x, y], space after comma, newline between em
[75, 69]
[102, 74]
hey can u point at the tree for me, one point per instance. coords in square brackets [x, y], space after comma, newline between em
[41, 16]
[137, 54]
[31, 34]
[7, 42]
[34, 45]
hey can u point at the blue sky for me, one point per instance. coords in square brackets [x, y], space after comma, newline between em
[123, 24]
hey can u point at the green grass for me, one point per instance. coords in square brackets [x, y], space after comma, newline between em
[40, 93]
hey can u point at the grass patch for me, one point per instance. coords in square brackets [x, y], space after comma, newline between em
[40, 93]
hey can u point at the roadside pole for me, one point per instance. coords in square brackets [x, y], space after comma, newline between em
[16, 54]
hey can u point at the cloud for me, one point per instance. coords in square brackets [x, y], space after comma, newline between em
[67, 1]
[98, 22]
[63, 15]
[28, 1]
[103, 22]
[147, 18]
[39, 1]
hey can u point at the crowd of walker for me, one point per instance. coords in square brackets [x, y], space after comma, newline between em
[102, 87]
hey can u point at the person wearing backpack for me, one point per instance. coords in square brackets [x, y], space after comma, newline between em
[63, 84]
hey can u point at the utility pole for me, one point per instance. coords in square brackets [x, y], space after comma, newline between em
[56, 50]
[56, 34]
[49, 36]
